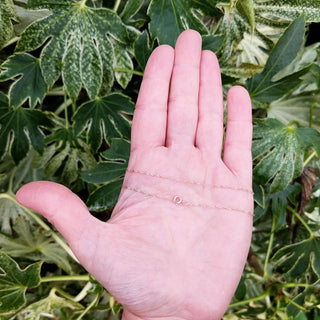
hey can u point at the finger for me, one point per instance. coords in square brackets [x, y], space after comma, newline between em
[183, 97]
[237, 146]
[66, 212]
[210, 123]
[150, 117]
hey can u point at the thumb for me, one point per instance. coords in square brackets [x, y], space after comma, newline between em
[67, 213]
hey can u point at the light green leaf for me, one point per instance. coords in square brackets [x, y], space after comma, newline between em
[7, 14]
[294, 259]
[169, 18]
[246, 8]
[261, 86]
[19, 128]
[232, 27]
[10, 210]
[104, 118]
[35, 244]
[14, 282]
[78, 44]
[49, 305]
[288, 9]
[29, 85]
[67, 154]
[278, 151]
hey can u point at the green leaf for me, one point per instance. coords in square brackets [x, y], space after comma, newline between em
[19, 128]
[49, 305]
[210, 42]
[295, 259]
[77, 44]
[66, 155]
[7, 13]
[169, 18]
[261, 86]
[288, 9]
[105, 197]
[35, 244]
[30, 85]
[118, 156]
[10, 210]
[143, 48]
[110, 172]
[246, 8]
[130, 9]
[104, 119]
[14, 282]
[278, 151]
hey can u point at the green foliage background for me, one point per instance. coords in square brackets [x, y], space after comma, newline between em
[69, 75]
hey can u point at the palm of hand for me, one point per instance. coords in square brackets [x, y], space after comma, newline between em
[177, 242]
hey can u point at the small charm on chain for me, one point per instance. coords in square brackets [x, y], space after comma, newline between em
[177, 200]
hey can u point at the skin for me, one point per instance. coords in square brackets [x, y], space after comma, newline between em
[160, 259]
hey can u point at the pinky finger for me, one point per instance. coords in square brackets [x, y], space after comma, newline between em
[237, 147]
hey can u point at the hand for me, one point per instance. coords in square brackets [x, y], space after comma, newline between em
[178, 238]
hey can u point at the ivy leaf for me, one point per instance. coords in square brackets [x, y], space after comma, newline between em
[78, 44]
[170, 18]
[50, 305]
[34, 244]
[262, 87]
[295, 259]
[104, 119]
[143, 48]
[110, 172]
[7, 13]
[19, 128]
[278, 151]
[246, 8]
[14, 282]
[288, 9]
[30, 85]
[130, 9]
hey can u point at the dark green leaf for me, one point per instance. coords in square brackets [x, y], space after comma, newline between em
[30, 85]
[105, 197]
[262, 85]
[212, 43]
[130, 9]
[143, 48]
[295, 259]
[109, 171]
[14, 282]
[104, 118]
[278, 151]
[78, 44]
[169, 18]
[19, 128]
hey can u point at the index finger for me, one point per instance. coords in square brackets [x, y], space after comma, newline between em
[150, 117]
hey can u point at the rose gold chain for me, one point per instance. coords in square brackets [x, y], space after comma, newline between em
[179, 201]
[190, 182]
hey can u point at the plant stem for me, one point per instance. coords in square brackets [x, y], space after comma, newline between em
[91, 305]
[312, 155]
[85, 277]
[262, 296]
[116, 5]
[297, 215]
[139, 73]
[265, 271]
